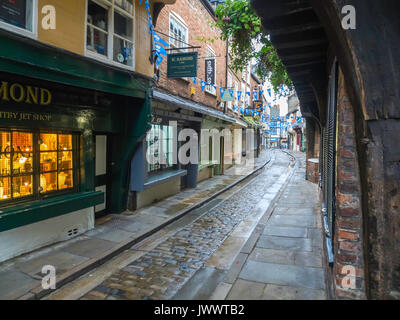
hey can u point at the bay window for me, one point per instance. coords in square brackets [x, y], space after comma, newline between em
[110, 30]
[35, 164]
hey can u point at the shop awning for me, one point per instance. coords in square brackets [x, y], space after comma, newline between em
[241, 123]
[27, 57]
[173, 100]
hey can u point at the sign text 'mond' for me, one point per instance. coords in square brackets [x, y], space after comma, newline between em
[180, 65]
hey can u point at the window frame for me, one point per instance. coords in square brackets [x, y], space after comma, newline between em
[111, 8]
[163, 167]
[209, 88]
[36, 170]
[25, 32]
[183, 25]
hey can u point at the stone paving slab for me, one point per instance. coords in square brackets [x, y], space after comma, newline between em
[275, 292]
[282, 274]
[61, 260]
[89, 247]
[202, 285]
[272, 256]
[308, 259]
[235, 268]
[15, 283]
[293, 220]
[225, 254]
[284, 243]
[285, 231]
[246, 290]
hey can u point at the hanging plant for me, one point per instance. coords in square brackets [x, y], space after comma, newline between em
[248, 40]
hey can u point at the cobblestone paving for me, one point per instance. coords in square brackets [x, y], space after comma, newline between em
[161, 272]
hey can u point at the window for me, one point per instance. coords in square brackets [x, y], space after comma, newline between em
[211, 54]
[50, 167]
[110, 32]
[178, 33]
[18, 16]
[160, 139]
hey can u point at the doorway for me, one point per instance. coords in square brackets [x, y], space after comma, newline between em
[102, 179]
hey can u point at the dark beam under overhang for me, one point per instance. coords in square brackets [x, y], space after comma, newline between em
[302, 45]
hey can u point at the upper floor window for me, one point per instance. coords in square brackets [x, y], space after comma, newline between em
[110, 30]
[178, 32]
[18, 16]
[211, 54]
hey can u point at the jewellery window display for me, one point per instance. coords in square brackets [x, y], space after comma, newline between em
[51, 164]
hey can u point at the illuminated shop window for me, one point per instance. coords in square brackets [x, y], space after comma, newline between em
[23, 165]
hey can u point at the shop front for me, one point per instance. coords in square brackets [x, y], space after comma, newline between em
[152, 181]
[63, 148]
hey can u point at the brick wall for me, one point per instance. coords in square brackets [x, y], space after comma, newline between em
[348, 223]
[197, 19]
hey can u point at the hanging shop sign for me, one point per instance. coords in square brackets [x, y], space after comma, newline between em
[257, 104]
[210, 71]
[181, 65]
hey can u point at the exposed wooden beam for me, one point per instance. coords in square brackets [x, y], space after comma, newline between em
[306, 55]
[298, 65]
[296, 29]
[300, 44]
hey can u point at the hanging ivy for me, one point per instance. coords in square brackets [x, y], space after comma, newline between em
[248, 40]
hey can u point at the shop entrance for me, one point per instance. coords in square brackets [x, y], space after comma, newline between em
[102, 180]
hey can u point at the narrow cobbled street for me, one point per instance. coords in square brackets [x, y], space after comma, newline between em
[255, 241]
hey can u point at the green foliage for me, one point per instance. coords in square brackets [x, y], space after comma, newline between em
[242, 28]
